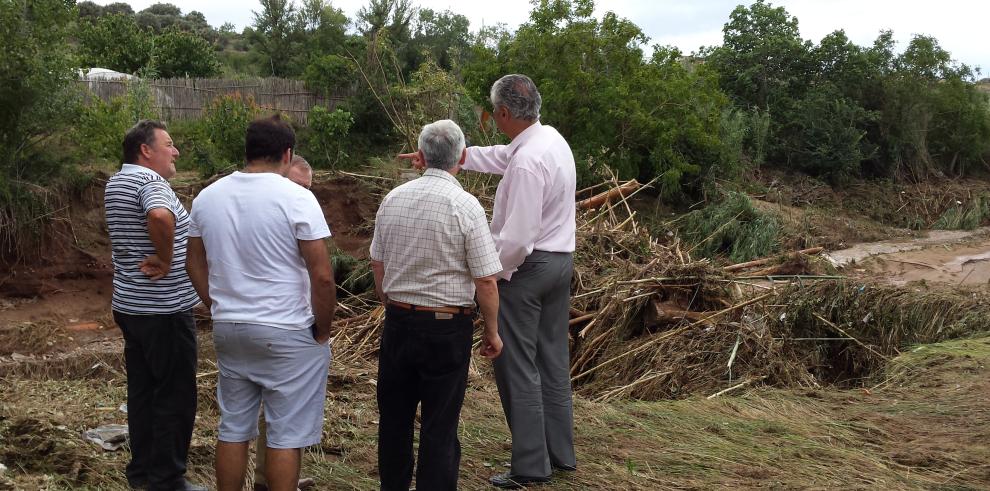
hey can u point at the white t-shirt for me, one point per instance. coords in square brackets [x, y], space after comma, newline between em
[250, 224]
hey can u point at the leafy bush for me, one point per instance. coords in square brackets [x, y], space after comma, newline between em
[102, 125]
[196, 151]
[659, 118]
[326, 136]
[226, 119]
[822, 135]
[327, 72]
[183, 54]
[115, 42]
[733, 227]
[965, 216]
[37, 100]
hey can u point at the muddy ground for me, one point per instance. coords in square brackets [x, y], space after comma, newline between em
[921, 423]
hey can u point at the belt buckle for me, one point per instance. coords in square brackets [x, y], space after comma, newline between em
[443, 316]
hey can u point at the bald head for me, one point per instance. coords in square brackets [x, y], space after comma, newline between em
[300, 172]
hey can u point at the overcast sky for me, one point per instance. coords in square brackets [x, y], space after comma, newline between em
[689, 24]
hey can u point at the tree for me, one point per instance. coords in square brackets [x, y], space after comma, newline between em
[121, 8]
[182, 54]
[274, 33]
[159, 17]
[165, 9]
[36, 100]
[762, 59]
[89, 10]
[116, 42]
[444, 37]
[656, 119]
[394, 15]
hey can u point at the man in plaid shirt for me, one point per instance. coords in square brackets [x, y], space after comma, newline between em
[431, 252]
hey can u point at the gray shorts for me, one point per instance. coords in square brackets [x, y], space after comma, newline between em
[285, 371]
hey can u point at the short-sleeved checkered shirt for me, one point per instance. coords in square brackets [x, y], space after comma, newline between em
[433, 238]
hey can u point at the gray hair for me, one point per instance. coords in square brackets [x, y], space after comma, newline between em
[442, 143]
[519, 95]
[301, 162]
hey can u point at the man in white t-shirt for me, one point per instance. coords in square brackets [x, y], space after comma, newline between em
[257, 256]
[301, 173]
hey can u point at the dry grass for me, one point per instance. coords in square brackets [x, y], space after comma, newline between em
[925, 428]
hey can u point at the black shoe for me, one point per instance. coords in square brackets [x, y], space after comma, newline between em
[137, 483]
[509, 481]
[563, 467]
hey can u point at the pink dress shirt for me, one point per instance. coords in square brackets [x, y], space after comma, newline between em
[534, 203]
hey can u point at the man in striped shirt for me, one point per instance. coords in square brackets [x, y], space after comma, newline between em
[152, 303]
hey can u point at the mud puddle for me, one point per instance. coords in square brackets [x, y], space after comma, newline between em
[953, 257]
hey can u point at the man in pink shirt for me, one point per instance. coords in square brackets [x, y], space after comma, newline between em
[533, 227]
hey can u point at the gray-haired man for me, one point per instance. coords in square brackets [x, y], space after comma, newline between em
[533, 226]
[431, 251]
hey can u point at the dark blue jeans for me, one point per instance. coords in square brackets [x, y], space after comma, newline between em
[160, 355]
[422, 360]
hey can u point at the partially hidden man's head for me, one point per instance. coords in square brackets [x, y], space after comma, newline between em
[442, 145]
[270, 141]
[300, 172]
[518, 95]
[148, 143]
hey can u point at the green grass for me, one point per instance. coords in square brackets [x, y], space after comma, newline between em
[732, 227]
[964, 216]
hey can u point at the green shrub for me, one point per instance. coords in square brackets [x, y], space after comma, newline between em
[196, 151]
[102, 124]
[38, 99]
[183, 54]
[965, 216]
[226, 120]
[325, 136]
[733, 227]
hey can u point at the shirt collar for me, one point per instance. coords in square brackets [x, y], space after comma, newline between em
[443, 175]
[137, 169]
[526, 135]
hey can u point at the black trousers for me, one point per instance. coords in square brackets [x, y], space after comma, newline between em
[422, 360]
[160, 355]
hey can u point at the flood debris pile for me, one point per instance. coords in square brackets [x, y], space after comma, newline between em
[41, 446]
[649, 320]
[849, 330]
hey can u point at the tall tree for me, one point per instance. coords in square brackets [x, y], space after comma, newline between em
[394, 15]
[275, 28]
[762, 59]
[179, 53]
[115, 41]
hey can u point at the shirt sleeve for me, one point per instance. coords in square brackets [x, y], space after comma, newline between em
[490, 160]
[482, 257]
[377, 249]
[523, 218]
[194, 230]
[307, 218]
[156, 194]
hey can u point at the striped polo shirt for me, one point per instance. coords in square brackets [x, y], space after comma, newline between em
[130, 195]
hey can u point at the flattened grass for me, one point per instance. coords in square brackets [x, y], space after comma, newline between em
[766, 437]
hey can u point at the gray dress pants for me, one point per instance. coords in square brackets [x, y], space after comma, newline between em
[533, 372]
